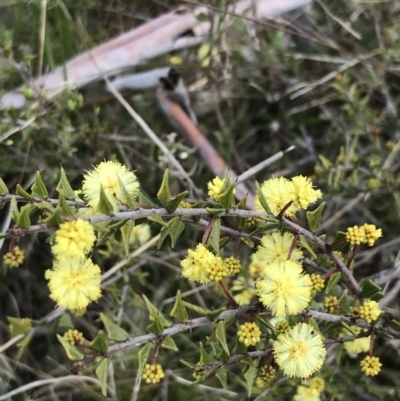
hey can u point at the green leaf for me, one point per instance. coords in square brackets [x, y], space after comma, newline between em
[104, 206]
[38, 188]
[220, 333]
[325, 162]
[344, 302]
[155, 313]
[126, 231]
[24, 219]
[340, 235]
[307, 246]
[102, 373]
[18, 326]
[156, 326]
[21, 192]
[179, 310]
[64, 187]
[222, 375]
[127, 198]
[143, 355]
[164, 194]
[156, 218]
[225, 195]
[66, 321]
[100, 342]
[262, 199]
[114, 332]
[215, 211]
[14, 211]
[372, 291]
[55, 219]
[205, 359]
[215, 233]
[241, 221]
[198, 309]
[333, 280]
[250, 376]
[173, 229]
[65, 209]
[173, 204]
[169, 343]
[3, 188]
[314, 217]
[22, 345]
[72, 352]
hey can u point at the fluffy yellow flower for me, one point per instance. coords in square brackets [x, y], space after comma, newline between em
[304, 193]
[203, 266]
[153, 373]
[74, 282]
[278, 192]
[214, 188]
[371, 365]
[243, 290]
[249, 334]
[359, 344]
[275, 248]
[110, 176]
[74, 239]
[284, 288]
[300, 352]
[140, 234]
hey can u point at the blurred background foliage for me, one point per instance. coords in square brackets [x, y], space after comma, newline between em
[263, 90]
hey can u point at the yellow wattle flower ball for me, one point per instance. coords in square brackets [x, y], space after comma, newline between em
[284, 288]
[110, 176]
[249, 334]
[369, 311]
[14, 258]
[232, 265]
[265, 375]
[371, 365]
[74, 239]
[300, 352]
[153, 373]
[331, 304]
[74, 282]
[358, 345]
[73, 336]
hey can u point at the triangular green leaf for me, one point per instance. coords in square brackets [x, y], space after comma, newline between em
[64, 187]
[143, 355]
[105, 206]
[102, 374]
[114, 332]
[307, 246]
[222, 375]
[173, 204]
[173, 229]
[24, 219]
[127, 197]
[156, 218]
[250, 376]
[196, 308]
[22, 345]
[220, 333]
[3, 188]
[241, 221]
[262, 199]
[126, 231]
[164, 194]
[225, 195]
[155, 313]
[344, 302]
[65, 209]
[333, 280]
[169, 343]
[370, 290]
[179, 310]
[314, 217]
[205, 359]
[155, 326]
[18, 326]
[21, 192]
[100, 342]
[38, 188]
[72, 352]
[215, 211]
[215, 234]
[66, 321]
[55, 219]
